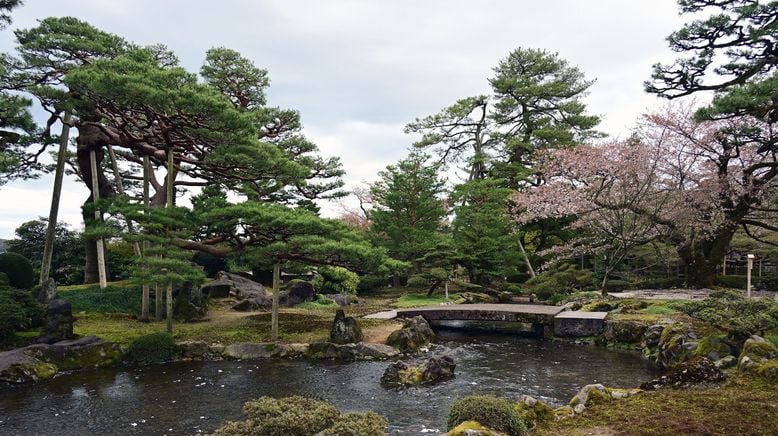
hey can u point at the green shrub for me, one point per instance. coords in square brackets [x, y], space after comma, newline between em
[564, 279]
[495, 413]
[18, 269]
[112, 299]
[358, 424]
[658, 283]
[153, 348]
[319, 302]
[19, 310]
[417, 281]
[768, 282]
[618, 285]
[730, 311]
[730, 281]
[283, 417]
[335, 280]
[372, 282]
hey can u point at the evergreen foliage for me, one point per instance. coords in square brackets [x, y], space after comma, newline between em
[335, 280]
[18, 269]
[495, 413]
[153, 348]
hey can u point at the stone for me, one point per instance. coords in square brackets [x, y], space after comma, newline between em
[677, 344]
[577, 324]
[435, 369]
[229, 284]
[477, 298]
[760, 357]
[652, 335]
[43, 361]
[713, 348]
[253, 304]
[196, 350]
[18, 367]
[300, 292]
[473, 428]
[415, 334]
[694, 372]
[48, 292]
[59, 322]
[534, 411]
[625, 331]
[341, 300]
[598, 306]
[726, 362]
[590, 394]
[255, 351]
[350, 352]
[345, 329]
[190, 304]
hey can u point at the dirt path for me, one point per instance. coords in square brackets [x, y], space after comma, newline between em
[380, 333]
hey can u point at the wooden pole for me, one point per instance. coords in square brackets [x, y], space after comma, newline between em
[169, 304]
[48, 248]
[98, 217]
[144, 308]
[526, 259]
[276, 297]
[157, 302]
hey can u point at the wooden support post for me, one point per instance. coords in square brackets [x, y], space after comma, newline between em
[48, 248]
[98, 218]
[276, 299]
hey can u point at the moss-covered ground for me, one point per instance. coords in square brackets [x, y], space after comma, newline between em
[742, 406]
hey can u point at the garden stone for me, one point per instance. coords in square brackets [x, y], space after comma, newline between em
[435, 369]
[726, 362]
[759, 357]
[300, 292]
[625, 331]
[689, 373]
[59, 322]
[341, 300]
[345, 329]
[677, 344]
[18, 367]
[350, 352]
[228, 284]
[533, 411]
[415, 334]
[253, 304]
[652, 335]
[589, 394]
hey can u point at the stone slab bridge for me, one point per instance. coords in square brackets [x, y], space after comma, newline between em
[565, 324]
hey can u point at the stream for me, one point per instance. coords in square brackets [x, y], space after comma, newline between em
[194, 397]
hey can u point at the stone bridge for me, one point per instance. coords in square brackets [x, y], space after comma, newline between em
[569, 323]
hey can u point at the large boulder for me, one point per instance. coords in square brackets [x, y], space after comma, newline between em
[300, 292]
[686, 374]
[435, 369]
[759, 357]
[713, 348]
[415, 334]
[59, 322]
[625, 331]
[342, 300]
[652, 335]
[229, 284]
[252, 304]
[677, 344]
[42, 361]
[345, 329]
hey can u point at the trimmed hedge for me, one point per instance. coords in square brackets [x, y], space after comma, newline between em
[495, 413]
[112, 299]
[153, 348]
[18, 269]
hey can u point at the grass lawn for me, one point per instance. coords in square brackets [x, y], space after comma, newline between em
[742, 406]
[416, 300]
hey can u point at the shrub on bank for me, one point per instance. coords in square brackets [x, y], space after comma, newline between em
[153, 348]
[112, 299]
[282, 417]
[19, 310]
[358, 424]
[495, 413]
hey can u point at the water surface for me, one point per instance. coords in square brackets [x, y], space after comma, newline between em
[192, 397]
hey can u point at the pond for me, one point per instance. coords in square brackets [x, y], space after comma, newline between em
[193, 397]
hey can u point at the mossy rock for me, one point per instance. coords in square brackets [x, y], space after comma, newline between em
[590, 394]
[768, 371]
[533, 411]
[495, 413]
[625, 331]
[472, 428]
[29, 372]
[713, 348]
[597, 306]
[282, 416]
[677, 344]
[759, 357]
[563, 412]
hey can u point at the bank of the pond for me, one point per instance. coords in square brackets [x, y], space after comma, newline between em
[191, 396]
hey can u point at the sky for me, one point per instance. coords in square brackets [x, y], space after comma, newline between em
[360, 70]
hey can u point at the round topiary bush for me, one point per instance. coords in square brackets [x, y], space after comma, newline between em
[495, 413]
[335, 280]
[358, 424]
[283, 416]
[153, 348]
[417, 281]
[18, 269]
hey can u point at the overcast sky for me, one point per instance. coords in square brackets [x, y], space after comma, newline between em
[359, 70]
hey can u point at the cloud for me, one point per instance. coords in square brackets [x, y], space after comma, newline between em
[358, 71]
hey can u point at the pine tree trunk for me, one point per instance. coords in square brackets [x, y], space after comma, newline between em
[48, 249]
[169, 296]
[99, 243]
[144, 309]
[276, 298]
[169, 306]
[158, 303]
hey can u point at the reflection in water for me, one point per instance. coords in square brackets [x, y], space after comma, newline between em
[187, 398]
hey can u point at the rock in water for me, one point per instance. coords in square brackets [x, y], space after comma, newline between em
[59, 322]
[403, 374]
[415, 334]
[345, 329]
